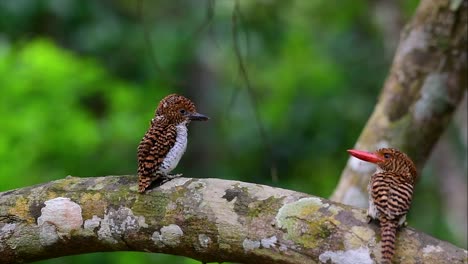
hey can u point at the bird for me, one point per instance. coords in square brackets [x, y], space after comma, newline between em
[165, 141]
[390, 193]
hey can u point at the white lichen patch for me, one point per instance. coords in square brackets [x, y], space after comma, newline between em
[174, 183]
[48, 234]
[156, 237]
[269, 242]
[92, 223]
[171, 234]
[431, 249]
[352, 256]
[104, 233]
[64, 214]
[250, 245]
[141, 221]
[129, 221]
[6, 231]
[204, 240]
[168, 236]
[118, 222]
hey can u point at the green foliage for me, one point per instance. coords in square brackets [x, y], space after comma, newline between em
[60, 117]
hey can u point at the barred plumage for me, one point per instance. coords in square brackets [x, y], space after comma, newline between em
[154, 146]
[165, 141]
[390, 193]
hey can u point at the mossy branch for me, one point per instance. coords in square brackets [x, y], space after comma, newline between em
[210, 220]
[424, 87]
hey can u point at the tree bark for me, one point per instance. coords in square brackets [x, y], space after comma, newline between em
[426, 83]
[389, 19]
[210, 220]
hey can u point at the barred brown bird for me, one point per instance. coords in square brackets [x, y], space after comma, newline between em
[390, 193]
[165, 141]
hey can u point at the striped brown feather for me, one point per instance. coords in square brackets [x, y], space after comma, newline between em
[388, 230]
[392, 196]
[154, 146]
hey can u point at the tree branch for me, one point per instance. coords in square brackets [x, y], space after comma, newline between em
[426, 83]
[206, 219]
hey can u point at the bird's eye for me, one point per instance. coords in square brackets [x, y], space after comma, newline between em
[386, 155]
[182, 111]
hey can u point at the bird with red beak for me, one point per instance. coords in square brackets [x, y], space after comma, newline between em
[390, 193]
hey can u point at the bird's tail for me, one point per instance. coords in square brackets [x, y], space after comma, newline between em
[388, 230]
[144, 182]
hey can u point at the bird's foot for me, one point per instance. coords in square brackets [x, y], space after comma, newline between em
[173, 176]
[169, 177]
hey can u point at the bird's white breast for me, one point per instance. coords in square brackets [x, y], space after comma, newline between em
[372, 210]
[173, 156]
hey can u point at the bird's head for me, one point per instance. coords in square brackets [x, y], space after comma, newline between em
[388, 159]
[177, 109]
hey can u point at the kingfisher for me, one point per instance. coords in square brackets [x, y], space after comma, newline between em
[165, 142]
[390, 193]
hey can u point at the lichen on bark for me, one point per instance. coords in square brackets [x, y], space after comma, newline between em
[210, 220]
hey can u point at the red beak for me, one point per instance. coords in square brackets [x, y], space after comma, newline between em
[366, 156]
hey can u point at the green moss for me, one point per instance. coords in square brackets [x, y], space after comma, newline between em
[66, 183]
[29, 240]
[159, 203]
[324, 230]
[315, 232]
[51, 195]
[154, 206]
[21, 209]
[304, 222]
[204, 225]
[92, 204]
[264, 207]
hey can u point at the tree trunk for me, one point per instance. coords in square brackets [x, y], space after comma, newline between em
[427, 81]
[210, 220]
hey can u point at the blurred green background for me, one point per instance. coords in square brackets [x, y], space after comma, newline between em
[79, 82]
